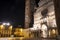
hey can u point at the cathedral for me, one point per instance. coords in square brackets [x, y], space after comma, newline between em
[44, 19]
[41, 15]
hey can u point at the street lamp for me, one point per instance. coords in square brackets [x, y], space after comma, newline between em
[10, 27]
[21, 29]
[2, 26]
[6, 24]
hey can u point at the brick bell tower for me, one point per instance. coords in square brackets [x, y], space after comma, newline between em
[27, 13]
[29, 10]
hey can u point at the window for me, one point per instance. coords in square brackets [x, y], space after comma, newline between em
[44, 12]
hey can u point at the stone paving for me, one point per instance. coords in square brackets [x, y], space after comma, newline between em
[28, 39]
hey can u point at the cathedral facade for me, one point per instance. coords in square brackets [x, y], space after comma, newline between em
[44, 19]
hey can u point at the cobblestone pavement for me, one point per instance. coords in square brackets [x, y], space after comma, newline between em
[40, 39]
[27, 39]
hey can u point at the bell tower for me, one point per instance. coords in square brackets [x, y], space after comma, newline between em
[29, 10]
[27, 13]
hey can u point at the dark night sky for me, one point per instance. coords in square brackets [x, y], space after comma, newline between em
[12, 11]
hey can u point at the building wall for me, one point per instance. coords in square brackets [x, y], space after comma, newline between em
[45, 15]
[5, 31]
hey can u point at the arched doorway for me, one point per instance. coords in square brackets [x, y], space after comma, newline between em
[44, 30]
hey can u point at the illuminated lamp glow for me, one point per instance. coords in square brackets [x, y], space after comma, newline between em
[44, 27]
[53, 31]
[6, 24]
